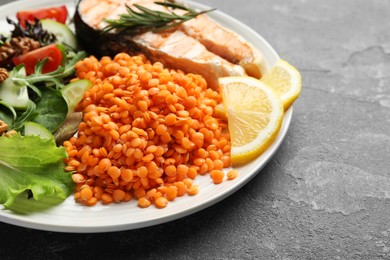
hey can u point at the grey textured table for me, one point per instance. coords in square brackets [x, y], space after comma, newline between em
[325, 193]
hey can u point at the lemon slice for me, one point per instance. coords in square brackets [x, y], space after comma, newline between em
[255, 114]
[286, 81]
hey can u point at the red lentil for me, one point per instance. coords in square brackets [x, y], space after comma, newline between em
[193, 190]
[232, 174]
[171, 192]
[147, 133]
[217, 176]
[118, 195]
[86, 194]
[161, 202]
[144, 202]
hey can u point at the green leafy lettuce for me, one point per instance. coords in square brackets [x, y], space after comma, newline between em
[32, 165]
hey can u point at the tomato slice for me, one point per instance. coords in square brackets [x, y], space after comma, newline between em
[30, 59]
[59, 14]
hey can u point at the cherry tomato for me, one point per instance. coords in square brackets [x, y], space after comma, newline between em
[59, 14]
[30, 59]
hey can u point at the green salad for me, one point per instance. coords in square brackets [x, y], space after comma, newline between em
[37, 104]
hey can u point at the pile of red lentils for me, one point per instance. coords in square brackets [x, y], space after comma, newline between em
[147, 133]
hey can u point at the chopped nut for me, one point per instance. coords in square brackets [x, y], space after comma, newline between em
[3, 74]
[3, 127]
[16, 46]
[23, 45]
[10, 133]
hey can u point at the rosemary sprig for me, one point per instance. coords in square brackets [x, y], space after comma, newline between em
[147, 19]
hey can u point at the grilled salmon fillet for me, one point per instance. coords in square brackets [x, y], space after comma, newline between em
[199, 45]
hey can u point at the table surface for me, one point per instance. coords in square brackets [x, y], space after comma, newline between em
[325, 193]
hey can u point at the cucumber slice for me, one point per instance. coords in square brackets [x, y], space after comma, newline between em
[61, 31]
[74, 92]
[13, 94]
[32, 128]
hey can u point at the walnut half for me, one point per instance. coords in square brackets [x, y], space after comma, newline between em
[3, 127]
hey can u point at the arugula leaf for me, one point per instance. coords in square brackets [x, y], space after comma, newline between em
[27, 115]
[31, 163]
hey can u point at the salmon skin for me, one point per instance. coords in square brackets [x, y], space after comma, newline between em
[191, 47]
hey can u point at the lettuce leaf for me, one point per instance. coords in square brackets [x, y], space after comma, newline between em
[34, 165]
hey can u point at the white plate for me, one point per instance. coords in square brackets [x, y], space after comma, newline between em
[72, 217]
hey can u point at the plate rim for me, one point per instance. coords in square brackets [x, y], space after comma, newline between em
[12, 218]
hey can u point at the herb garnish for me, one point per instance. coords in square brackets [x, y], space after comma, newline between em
[147, 19]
